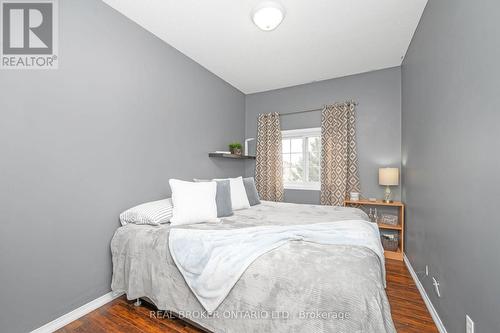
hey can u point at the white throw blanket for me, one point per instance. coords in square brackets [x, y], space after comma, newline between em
[212, 261]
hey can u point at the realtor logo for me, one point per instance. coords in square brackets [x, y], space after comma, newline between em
[29, 34]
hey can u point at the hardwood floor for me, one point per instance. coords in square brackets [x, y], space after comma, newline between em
[409, 312]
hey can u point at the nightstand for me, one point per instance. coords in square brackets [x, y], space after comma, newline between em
[399, 228]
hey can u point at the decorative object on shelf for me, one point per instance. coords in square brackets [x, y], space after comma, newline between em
[235, 148]
[354, 196]
[246, 151]
[390, 242]
[372, 215]
[389, 219]
[388, 177]
[372, 199]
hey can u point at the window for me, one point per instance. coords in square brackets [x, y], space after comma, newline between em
[301, 151]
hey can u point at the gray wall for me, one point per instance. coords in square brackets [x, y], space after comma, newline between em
[378, 121]
[122, 114]
[451, 117]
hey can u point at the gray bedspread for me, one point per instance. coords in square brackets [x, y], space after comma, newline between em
[298, 287]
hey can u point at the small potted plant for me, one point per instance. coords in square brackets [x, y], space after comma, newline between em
[235, 148]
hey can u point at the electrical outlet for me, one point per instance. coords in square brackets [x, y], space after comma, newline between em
[469, 325]
[426, 270]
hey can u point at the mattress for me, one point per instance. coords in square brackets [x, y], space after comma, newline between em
[298, 287]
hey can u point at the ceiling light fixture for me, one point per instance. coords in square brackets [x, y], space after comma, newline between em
[268, 15]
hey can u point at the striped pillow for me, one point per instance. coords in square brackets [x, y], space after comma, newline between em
[154, 213]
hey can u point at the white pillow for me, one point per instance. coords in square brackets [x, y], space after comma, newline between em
[193, 202]
[239, 199]
[154, 212]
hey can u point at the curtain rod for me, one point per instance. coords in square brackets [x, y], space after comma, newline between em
[310, 110]
[296, 112]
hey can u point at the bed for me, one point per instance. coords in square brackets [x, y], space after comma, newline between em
[297, 287]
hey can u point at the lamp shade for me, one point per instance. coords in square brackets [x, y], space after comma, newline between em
[388, 176]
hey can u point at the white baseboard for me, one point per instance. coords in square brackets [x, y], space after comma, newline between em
[64, 320]
[425, 297]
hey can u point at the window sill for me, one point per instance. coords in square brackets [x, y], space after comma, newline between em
[301, 187]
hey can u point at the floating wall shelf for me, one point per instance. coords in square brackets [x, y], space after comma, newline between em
[236, 157]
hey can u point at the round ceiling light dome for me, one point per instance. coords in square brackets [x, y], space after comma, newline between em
[268, 15]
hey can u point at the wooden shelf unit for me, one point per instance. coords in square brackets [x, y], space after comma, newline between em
[400, 227]
[233, 156]
[396, 255]
[374, 203]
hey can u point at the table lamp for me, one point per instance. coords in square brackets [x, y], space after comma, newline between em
[388, 177]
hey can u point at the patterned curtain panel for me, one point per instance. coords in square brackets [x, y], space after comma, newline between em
[269, 165]
[339, 158]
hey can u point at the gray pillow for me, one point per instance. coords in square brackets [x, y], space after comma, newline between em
[222, 197]
[253, 196]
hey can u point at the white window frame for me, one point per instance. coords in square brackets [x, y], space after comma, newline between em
[303, 133]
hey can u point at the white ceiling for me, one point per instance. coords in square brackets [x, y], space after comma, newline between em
[318, 39]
